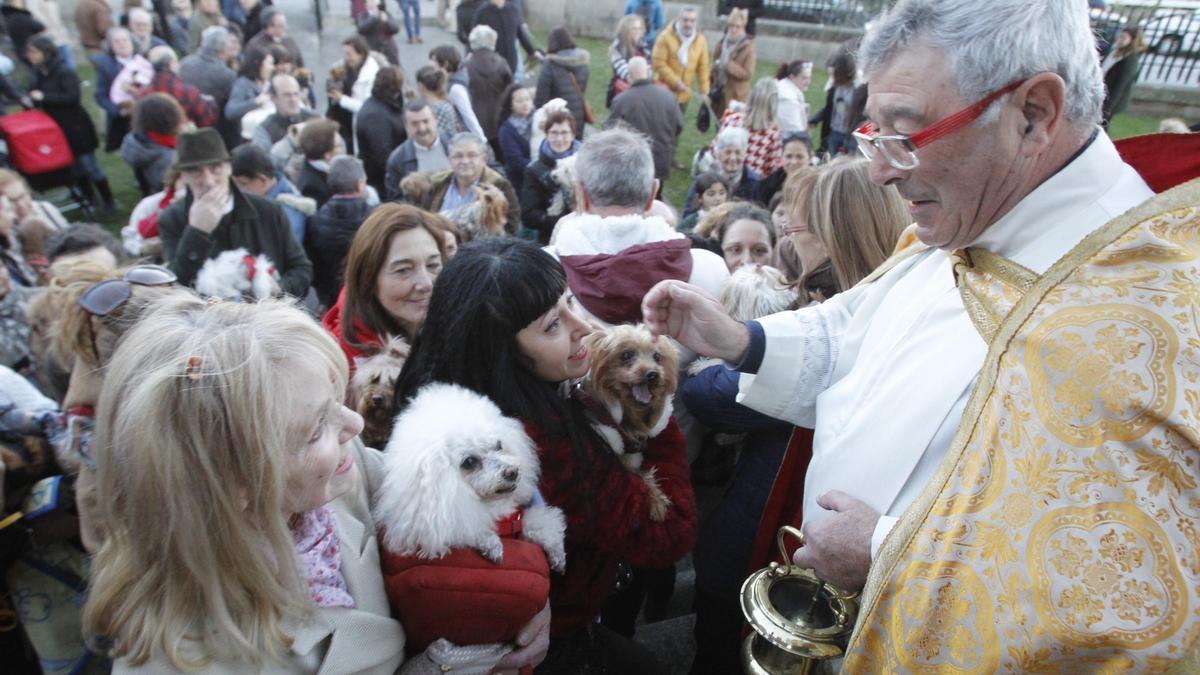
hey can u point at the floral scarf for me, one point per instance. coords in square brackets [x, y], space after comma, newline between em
[319, 549]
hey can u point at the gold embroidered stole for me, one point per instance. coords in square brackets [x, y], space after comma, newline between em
[1062, 530]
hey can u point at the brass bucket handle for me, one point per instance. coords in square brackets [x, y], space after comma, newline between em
[780, 541]
[834, 592]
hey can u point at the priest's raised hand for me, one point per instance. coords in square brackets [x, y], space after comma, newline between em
[696, 319]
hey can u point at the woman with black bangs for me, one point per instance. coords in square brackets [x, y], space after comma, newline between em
[502, 322]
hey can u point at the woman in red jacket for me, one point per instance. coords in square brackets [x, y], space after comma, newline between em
[392, 263]
[502, 322]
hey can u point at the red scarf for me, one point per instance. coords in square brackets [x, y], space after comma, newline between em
[166, 140]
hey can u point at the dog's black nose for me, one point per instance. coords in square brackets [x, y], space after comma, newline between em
[652, 377]
[377, 399]
[511, 475]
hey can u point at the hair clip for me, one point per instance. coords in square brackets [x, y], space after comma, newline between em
[214, 300]
[192, 371]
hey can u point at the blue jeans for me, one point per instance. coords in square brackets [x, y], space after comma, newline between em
[411, 26]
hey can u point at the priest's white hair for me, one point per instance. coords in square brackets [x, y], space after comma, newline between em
[991, 43]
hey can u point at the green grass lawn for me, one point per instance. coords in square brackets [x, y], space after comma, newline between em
[126, 191]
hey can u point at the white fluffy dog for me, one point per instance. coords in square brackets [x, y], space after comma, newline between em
[563, 201]
[236, 275]
[454, 467]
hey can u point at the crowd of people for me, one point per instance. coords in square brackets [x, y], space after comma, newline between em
[183, 408]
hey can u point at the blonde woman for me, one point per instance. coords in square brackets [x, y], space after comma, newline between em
[629, 42]
[857, 221]
[235, 504]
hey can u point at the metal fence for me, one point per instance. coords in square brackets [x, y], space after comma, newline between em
[1171, 31]
[847, 13]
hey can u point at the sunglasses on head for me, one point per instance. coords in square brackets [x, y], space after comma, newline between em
[104, 297]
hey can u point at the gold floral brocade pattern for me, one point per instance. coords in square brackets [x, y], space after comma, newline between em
[1060, 533]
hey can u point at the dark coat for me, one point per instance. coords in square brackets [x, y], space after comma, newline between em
[488, 75]
[379, 129]
[514, 149]
[726, 537]
[327, 240]
[60, 99]
[1118, 86]
[555, 82]
[379, 35]
[20, 26]
[507, 22]
[115, 126]
[314, 183]
[651, 110]
[858, 104]
[537, 194]
[256, 224]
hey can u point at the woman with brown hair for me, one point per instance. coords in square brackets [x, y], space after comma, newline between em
[390, 269]
[734, 60]
[1120, 71]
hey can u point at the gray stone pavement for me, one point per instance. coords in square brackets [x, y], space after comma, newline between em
[324, 48]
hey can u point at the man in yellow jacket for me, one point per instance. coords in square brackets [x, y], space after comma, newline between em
[680, 57]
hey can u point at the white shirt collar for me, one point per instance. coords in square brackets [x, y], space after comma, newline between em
[1094, 188]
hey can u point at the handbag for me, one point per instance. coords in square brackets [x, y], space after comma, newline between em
[589, 115]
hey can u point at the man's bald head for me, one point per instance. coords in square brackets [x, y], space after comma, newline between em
[638, 69]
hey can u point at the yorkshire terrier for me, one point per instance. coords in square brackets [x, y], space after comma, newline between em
[632, 379]
[372, 389]
[484, 216]
[32, 235]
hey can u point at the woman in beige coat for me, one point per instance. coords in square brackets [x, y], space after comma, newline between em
[734, 60]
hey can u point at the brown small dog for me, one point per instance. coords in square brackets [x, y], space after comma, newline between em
[486, 215]
[633, 377]
[33, 235]
[372, 389]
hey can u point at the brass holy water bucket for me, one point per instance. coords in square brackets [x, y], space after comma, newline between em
[799, 621]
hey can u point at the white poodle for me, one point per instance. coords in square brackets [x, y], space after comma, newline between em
[454, 468]
[236, 275]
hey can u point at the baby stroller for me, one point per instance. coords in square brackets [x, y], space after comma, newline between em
[38, 150]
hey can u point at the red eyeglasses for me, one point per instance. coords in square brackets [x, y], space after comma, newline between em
[901, 151]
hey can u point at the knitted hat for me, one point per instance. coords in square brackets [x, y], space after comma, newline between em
[194, 149]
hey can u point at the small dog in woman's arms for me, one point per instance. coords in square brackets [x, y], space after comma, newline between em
[373, 387]
[628, 393]
[458, 473]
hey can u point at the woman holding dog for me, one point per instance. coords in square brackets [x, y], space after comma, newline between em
[264, 556]
[542, 184]
[393, 261]
[502, 323]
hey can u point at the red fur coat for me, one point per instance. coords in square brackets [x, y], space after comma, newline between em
[608, 519]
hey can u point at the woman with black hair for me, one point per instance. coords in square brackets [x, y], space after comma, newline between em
[250, 88]
[502, 322]
[56, 90]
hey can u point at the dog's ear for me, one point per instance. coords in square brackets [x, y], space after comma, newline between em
[422, 505]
